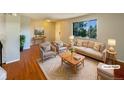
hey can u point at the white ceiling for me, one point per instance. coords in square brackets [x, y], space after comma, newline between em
[52, 16]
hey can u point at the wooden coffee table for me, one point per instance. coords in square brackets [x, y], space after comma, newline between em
[72, 59]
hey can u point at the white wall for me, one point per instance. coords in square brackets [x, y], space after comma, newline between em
[12, 26]
[49, 28]
[2, 23]
[12, 45]
[25, 30]
[58, 31]
[108, 26]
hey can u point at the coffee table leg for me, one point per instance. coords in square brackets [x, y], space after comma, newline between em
[74, 68]
[83, 63]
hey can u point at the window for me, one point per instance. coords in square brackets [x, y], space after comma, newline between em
[85, 29]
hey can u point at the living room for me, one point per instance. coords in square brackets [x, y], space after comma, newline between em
[108, 26]
[59, 27]
[61, 46]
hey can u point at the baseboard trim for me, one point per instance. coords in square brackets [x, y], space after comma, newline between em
[12, 61]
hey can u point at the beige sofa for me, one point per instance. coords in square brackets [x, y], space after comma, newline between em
[92, 49]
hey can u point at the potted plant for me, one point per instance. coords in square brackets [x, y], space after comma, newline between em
[22, 41]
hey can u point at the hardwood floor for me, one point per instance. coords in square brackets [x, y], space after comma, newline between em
[27, 68]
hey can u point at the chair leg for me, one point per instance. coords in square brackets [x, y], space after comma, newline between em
[42, 59]
[98, 77]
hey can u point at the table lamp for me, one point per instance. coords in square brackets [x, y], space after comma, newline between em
[111, 43]
[71, 39]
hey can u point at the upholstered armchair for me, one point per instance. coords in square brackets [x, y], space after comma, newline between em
[47, 50]
[60, 46]
[111, 74]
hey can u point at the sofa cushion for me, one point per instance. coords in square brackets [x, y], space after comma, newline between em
[96, 46]
[47, 48]
[91, 44]
[50, 53]
[80, 48]
[63, 48]
[89, 52]
[79, 42]
[85, 43]
[60, 44]
[93, 53]
[75, 42]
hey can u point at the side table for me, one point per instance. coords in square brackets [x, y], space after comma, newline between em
[111, 57]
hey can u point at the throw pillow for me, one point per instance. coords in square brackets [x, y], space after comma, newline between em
[85, 43]
[47, 48]
[54, 43]
[91, 44]
[96, 46]
[60, 44]
[75, 42]
[79, 42]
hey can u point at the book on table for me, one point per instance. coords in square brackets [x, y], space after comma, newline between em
[77, 57]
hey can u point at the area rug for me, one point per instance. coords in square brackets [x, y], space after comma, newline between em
[53, 70]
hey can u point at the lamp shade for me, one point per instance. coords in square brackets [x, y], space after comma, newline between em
[111, 42]
[71, 37]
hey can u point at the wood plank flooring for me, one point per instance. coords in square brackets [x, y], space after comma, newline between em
[27, 68]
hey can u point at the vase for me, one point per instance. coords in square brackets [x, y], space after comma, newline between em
[72, 54]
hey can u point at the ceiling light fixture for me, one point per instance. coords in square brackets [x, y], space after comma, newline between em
[11, 14]
[14, 14]
[48, 20]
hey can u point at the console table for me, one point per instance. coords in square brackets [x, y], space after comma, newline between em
[111, 57]
[38, 40]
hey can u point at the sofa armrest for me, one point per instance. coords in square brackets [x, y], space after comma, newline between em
[65, 45]
[104, 55]
[54, 44]
[53, 48]
[42, 53]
